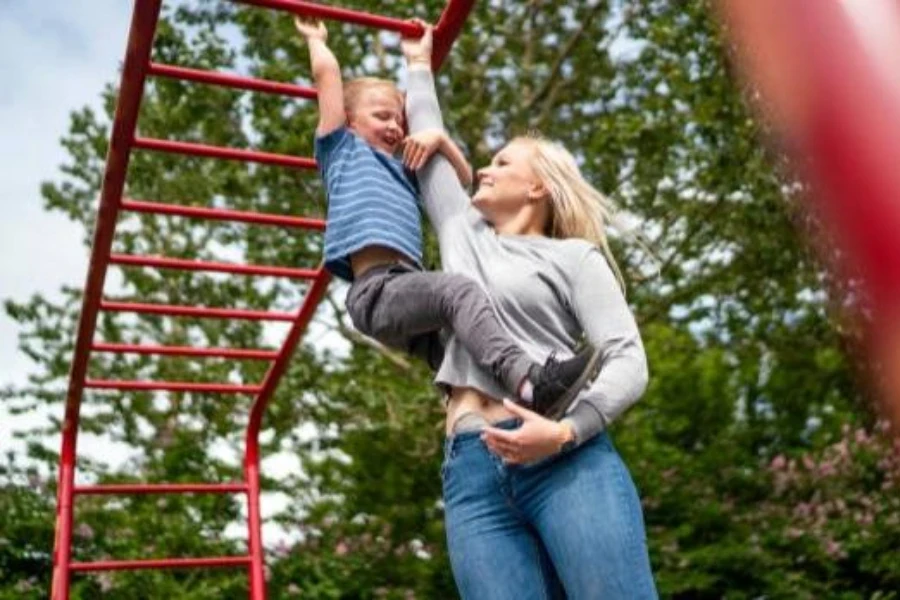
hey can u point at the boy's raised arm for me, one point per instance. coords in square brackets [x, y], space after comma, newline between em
[327, 74]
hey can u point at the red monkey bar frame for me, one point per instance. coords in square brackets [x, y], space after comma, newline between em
[136, 69]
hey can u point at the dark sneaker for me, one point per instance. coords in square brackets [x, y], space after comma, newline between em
[557, 383]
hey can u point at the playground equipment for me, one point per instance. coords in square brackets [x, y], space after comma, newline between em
[137, 67]
[830, 74]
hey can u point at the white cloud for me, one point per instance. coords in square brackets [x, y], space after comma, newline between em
[54, 58]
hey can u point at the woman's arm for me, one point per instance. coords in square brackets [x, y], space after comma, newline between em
[603, 313]
[418, 149]
[442, 193]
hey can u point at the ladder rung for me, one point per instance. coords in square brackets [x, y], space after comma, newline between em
[160, 563]
[222, 214]
[184, 264]
[171, 386]
[232, 81]
[175, 310]
[249, 353]
[161, 488]
[240, 154]
[321, 11]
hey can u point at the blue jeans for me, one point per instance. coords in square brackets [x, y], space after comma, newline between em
[567, 527]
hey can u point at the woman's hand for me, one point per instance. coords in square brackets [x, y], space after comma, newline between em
[311, 29]
[537, 438]
[418, 51]
[419, 147]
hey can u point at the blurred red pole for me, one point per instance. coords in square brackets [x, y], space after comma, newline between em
[834, 103]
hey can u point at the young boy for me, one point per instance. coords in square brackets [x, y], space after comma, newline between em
[373, 238]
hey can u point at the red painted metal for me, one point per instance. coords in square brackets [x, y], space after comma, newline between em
[232, 81]
[239, 353]
[136, 68]
[163, 262]
[251, 455]
[332, 13]
[171, 386]
[160, 563]
[173, 310]
[161, 488]
[137, 56]
[222, 214]
[448, 29]
[240, 154]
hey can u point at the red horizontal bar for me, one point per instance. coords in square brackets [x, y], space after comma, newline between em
[171, 386]
[222, 214]
[321, 11]
[160, 563]
[240, 154]
[232, 81]
[163, 262]
[161, 488]
[196, 311]
[186, 351]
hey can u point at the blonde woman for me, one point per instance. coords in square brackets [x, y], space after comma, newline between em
[535, 507]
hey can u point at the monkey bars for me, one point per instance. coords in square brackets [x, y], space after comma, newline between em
[136, 69]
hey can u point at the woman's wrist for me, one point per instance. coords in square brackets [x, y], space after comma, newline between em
[566, 434]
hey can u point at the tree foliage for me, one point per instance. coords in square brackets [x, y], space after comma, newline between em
[752, 411]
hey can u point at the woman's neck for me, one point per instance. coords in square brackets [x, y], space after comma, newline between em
[521, 224]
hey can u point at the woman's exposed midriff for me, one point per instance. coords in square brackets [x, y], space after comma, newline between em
[469, 400]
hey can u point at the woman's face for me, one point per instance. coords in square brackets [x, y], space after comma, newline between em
[507, 185]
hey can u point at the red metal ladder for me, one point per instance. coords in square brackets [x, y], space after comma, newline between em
[137, 67]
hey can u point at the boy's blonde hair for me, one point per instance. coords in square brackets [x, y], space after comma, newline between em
[577, 209]
[353, 90]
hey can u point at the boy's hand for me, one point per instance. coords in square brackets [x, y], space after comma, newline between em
[419, 147]
[418, 51]
[311, 29]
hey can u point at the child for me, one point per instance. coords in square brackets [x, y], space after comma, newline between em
[373, 238]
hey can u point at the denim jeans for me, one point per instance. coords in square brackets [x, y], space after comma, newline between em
[567, 527]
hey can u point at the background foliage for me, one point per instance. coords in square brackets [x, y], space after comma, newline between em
[762, 469]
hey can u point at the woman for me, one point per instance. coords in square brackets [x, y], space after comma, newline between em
[533, 506]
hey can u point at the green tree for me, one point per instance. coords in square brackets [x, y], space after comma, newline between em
[747, 363]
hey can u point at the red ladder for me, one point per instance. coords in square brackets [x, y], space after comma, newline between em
[136, 68]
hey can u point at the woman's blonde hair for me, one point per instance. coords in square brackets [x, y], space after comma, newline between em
[353, 90]
[577, 209]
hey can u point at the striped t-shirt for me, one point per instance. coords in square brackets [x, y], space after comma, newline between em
[371, 201]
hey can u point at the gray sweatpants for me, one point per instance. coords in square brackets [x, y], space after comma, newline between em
[405, 308]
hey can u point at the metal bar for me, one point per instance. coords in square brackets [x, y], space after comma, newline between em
[251, 457]
[171, 386]
[222, 214]
[448, 29]
[174, 310]
[184, 264]
[240, 353]
[222, 152]
[332, 13]
[232, 81]
[161, 488]
[134, 72]
[160, 563]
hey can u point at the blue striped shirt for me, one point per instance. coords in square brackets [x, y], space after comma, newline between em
[371, 201]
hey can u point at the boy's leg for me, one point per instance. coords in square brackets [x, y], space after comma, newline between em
[399, 304]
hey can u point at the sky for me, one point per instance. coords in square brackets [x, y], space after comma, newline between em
[55, 57]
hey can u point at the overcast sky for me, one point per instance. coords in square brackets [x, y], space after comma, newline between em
[55, 57]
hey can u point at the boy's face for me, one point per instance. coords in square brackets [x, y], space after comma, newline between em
[378, 118]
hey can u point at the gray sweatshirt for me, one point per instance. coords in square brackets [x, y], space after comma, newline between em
[546, 291]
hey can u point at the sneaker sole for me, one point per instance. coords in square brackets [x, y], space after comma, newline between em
[559, 408]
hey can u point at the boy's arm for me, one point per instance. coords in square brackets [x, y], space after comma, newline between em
[419, 147]
[327, 74]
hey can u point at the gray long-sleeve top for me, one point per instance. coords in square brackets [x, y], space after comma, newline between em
[546, 291]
